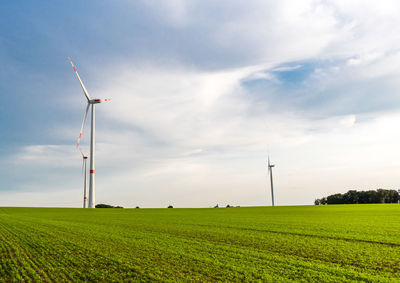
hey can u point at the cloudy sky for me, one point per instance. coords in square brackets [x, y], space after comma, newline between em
[201, 92]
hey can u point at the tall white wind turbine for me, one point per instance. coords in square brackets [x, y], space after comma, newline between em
[90, 102]
[270, 166]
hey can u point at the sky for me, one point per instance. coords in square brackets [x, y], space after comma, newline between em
[201, 93]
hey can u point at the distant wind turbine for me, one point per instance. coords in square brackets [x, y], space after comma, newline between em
[84, 171]
[270, 166]
[90, 102]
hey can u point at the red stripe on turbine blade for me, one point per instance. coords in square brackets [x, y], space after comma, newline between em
[74, 68]
[91, 171]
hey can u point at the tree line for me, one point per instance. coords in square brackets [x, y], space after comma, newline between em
[353, 196]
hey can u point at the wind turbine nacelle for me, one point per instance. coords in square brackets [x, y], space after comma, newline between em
[271, 165]
[95, 101]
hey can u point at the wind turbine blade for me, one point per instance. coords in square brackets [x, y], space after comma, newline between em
[79, 78]
[83, 155]
[81, 152]
[83, 124]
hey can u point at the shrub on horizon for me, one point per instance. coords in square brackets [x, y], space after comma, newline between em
[102, 205]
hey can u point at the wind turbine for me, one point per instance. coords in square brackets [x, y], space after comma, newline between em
[84, 159]
[270, 166]
[90, 102]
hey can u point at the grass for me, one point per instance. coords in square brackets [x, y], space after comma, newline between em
[304, 243]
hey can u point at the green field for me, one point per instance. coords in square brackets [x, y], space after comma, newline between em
[302, 243]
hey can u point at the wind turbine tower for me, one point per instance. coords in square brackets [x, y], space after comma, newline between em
[270, 166]
[84, 170]
[90, 103]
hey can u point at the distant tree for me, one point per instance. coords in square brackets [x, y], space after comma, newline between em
[170, 206]
[393, 196]
[228, 205]
[363, 197]
[320, 201]
[137, 206]
[102, 205]
[350, 197]
[387, 196]
[216, 206]
[373, 197]
[335, 199]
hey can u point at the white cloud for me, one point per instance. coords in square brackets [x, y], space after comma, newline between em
[287, 68]
[46, 155]
[175, 11]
